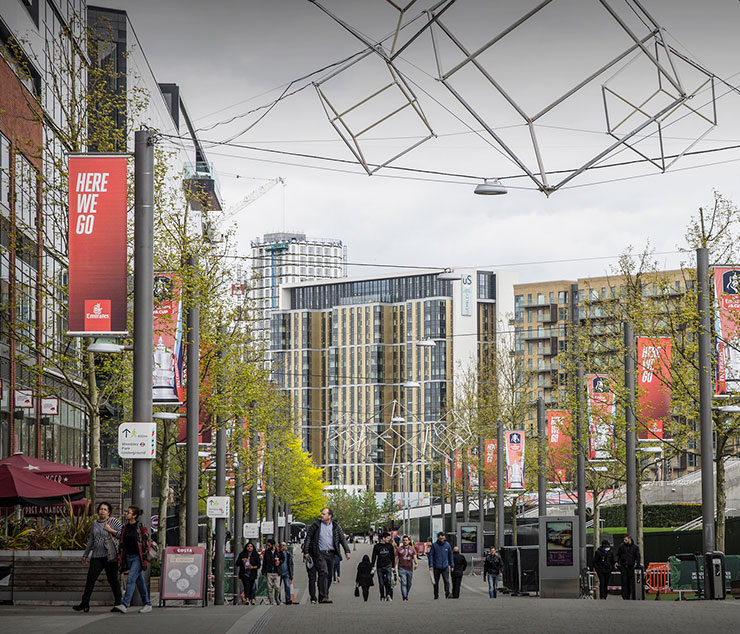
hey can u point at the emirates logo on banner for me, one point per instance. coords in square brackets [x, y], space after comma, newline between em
[97, 315]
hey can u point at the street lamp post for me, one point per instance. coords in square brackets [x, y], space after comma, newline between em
[141, 469]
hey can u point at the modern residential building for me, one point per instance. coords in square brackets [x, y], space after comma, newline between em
[543, 323]
[286, 258]
[370, 364]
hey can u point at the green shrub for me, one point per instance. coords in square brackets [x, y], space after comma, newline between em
[653, 515]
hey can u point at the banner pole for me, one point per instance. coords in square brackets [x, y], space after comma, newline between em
[630, 442]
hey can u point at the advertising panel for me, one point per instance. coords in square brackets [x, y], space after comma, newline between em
[97, 245]
[602, 407]
[469, 539]
[514, 460]
[560, 449]
[489, 465]
[168, 353]
[653, 385]
[559, 545]
[183, 572]
[727, 296]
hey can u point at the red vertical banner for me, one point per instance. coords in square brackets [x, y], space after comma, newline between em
[167, 384]
[653, 385]
[602, 408]
[726, 324]
[489, 465]
[97, 245]
[514, 460]
[560, 449]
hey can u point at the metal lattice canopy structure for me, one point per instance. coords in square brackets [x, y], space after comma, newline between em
[396, 439]
[640, 89]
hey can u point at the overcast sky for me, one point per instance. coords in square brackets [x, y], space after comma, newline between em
[230, 57]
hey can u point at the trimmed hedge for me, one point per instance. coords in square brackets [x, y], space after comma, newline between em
[653, 514]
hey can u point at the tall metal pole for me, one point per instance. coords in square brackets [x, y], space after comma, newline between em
[481, 480]
[218, 586]
[453, 494]
[431, 505]
[141, 469]
[464, 485]
[580, 411]
[581, 463]
[192, 478]
[705, 400]
[500, 485]
[442, 490]
[253, 466]
[630, 440]
[541, 458]
[238, 513]
[268, 492]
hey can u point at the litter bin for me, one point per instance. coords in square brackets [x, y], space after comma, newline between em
[639, 584]
[714, 575]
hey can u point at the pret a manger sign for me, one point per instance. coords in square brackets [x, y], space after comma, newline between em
[97, 245]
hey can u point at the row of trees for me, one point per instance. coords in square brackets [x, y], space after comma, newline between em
[100, 108]
[501, 391]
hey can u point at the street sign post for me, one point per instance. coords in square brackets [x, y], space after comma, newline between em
[137, 440]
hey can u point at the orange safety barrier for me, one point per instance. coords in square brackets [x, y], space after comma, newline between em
[658, 578]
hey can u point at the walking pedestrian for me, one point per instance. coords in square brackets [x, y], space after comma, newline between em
[364, 577]
[324, 538]
[101, 552]
[134, 557]
[459, 566]
[272, 561]
[408, 561]
[492, 567]
[247, 566]
[312, 573]
[286, 572]
[441, 564]
[628, 559]
[384, 557]
[603, 564]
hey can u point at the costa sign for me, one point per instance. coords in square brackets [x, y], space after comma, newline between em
[97, 245]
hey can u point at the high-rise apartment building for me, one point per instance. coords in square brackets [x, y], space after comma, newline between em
[287, 258]
[370, 365]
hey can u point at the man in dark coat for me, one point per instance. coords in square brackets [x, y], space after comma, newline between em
[384, 557]
[603, 565]
[460, 564]
[628, 559]
[324, 538]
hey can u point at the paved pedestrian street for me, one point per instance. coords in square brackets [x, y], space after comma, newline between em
[472, 613]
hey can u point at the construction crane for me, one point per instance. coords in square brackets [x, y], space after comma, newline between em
[211, 228]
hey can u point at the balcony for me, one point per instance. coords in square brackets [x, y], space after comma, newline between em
[540, 333]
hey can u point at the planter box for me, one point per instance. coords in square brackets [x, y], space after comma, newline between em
[49, 577]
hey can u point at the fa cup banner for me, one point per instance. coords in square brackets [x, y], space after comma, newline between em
[727, 327]
[559, 445]
[602, 407]
[653, 385]
[514, 460]
[168, 340]
[97, 245]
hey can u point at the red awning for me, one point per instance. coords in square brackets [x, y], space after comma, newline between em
[18, 486]
[62, 473]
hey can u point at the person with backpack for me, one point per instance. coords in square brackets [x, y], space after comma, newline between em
[364, 577]
[493, 565]
[460, 564]
[134, 557]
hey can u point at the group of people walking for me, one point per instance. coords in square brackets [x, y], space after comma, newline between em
[116, 546]
[625, 560]
[275, 564]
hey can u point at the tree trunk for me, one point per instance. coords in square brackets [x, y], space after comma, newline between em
[597, 517]
[719, 537]
[182, 515]
[164, 485]
[638, 502]
[94, 416]
[464, 484]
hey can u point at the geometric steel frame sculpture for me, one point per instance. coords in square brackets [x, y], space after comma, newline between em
[650, 46]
